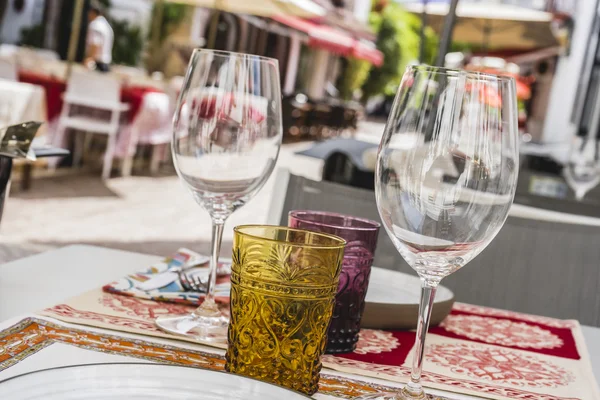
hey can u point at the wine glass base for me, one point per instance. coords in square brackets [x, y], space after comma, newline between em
[212, 329]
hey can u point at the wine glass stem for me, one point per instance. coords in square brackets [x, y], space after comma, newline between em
[414, 390]
[217, 236]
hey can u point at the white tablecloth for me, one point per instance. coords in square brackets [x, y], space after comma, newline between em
[36, 282]
[21, 102]
[152, 125]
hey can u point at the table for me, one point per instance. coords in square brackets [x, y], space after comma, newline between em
[21, 102]
[39, 281]
[132, 94]
[32, 283]
[55, 87]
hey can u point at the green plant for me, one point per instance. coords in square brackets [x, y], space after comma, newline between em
[128, 44]
[128, 40]
[463, 47]
[398, 39]
[32, 36]
[355, 72]
[172, 15]
[354, 75]
[380, 77]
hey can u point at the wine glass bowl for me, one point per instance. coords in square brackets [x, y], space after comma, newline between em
[226, 138]
[234, 128]
[445, 178]
[445, 196]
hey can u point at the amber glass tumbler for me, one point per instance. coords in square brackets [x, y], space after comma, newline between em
[283, 287]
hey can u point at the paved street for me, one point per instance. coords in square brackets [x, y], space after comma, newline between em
[153, 215]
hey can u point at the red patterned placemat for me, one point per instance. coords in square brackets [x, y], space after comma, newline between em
[486, 352]
[477, 350]
[122, 313]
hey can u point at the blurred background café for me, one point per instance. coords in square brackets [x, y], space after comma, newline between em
[340, 64]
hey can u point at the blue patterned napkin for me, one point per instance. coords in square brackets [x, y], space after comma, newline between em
[164, 274]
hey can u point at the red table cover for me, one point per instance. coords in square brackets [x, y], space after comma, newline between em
[55, 87]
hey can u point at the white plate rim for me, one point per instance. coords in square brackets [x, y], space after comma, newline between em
[448, 295]
[143, 365]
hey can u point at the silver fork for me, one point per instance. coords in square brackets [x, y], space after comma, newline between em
[192, 283]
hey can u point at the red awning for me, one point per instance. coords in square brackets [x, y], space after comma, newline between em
[364, 51]
[331, 39]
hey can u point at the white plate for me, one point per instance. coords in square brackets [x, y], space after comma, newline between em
[138, 381]
[392, 301]
[392, 287]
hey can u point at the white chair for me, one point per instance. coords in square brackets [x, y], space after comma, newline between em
[8, 70]
[100, 92]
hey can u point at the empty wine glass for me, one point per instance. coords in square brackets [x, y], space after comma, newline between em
[445, 178]
[582, 171]
[226, 139]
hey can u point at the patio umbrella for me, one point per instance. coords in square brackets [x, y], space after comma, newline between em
[301, 8]
[492, 26]
[263, 8]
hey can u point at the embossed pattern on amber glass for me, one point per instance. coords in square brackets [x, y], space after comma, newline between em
[283, 285]
[361, 235]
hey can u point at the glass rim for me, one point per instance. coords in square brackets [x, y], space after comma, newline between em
[458, 72]
[239, 230]
[225, 53]
[374, 224]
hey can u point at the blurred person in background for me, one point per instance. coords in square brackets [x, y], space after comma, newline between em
[100, 39]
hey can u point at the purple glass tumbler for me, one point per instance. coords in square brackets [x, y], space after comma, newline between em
[361, 236]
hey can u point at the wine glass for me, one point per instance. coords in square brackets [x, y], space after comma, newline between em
[445, 178]
[582, 171]
[226, 139]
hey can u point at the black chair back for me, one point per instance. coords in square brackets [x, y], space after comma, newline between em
[533, 266]
[5, 170]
